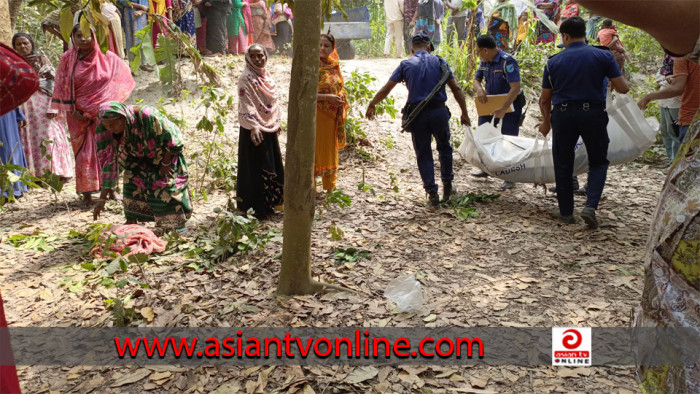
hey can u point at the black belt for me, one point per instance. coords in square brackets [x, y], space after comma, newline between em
[582, 105]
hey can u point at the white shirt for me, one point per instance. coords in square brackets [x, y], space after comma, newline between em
[393, 10]
[456, 4]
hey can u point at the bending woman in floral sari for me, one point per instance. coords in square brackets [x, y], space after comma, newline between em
[149, 149]
[331, 111]
[85, 79]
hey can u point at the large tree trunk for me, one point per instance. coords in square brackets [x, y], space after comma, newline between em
[14, 11]
[5, 24]
[299, 193]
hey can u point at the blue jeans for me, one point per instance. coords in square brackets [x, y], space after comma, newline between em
[671, 141]
[430, 123]
[591, 126]
[511, 121]
[683, 131]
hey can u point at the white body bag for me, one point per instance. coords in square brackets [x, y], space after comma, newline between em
[529, 160]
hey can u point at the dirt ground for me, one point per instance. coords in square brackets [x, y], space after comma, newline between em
[512, 266]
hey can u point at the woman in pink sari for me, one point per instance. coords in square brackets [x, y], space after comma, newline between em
[261, 25]
[85, 79]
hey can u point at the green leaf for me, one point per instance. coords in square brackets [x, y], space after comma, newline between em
[113, 266]
[66, 22]
[88, 266]
[122, 264]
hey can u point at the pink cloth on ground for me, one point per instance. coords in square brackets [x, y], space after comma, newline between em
[137, 238]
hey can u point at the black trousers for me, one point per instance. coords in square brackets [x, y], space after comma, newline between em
[568, 124]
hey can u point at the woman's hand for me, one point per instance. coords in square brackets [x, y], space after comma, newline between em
[22, 124]
[256, 136]
[166, 170]
[334, 100]
[138, 13]
[78, 115]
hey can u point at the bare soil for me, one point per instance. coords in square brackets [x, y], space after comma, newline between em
[511, 266]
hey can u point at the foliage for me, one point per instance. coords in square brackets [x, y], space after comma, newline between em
[29, 21]
[11, 173]
[213, 164]
[371, 47]
[336, 232]
[170, 46]
[350, 255]
[336, 197]
[531, 61]
[463, 203]
[37, 241]
[645, 51]
[362, 186]
[232, 235]
[463, 59]
[354, 131]
[360, 94]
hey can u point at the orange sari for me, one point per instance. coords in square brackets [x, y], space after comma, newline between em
[330, 120]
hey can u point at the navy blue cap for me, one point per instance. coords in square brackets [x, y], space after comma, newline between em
[423, 37]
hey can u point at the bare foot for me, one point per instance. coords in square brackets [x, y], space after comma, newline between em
[87, 199]
[113, 195]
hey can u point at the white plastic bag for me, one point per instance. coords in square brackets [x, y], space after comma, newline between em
[406, 292]
[529, 160]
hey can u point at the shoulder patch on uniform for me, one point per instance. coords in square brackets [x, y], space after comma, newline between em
[510, 68]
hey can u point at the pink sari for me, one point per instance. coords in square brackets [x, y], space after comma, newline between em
[84, 84]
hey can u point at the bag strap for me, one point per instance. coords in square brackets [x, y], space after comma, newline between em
[423, 103]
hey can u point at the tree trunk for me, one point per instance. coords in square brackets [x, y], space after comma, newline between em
[5, 23]
[14, 11]
[299, 193]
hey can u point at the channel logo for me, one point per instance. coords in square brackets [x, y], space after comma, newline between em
[571, 346]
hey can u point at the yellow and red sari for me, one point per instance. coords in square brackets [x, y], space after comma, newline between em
[330, 121]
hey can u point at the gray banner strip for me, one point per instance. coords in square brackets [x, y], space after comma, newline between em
[70, 346]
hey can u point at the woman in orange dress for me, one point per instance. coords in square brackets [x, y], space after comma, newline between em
[331, 111]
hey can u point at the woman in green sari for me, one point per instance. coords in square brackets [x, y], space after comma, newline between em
[149, 149]
[238, 26]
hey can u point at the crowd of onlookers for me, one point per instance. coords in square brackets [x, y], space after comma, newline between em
[213, 26]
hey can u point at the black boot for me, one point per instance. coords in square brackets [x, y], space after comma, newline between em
[433, 199]
[447, 190]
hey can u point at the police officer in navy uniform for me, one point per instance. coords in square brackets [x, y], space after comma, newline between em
[421, 73]
[572, 82]
[502, 75]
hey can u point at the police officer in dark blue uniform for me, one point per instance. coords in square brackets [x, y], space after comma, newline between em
[502, 75]
[421, 73]
[571, 82]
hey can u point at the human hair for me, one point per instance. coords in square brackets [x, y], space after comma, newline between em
[574, 26]
[328, 36]
[418, 45]
[23, 35]
[262, 48]
[607, 23]
[486, 41]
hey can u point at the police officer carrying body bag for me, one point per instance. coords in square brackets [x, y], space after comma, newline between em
[425, 114]
[573, 83]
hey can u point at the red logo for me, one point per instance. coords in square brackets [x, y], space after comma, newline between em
[573, 340]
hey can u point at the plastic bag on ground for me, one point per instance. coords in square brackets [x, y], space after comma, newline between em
[406, 292]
